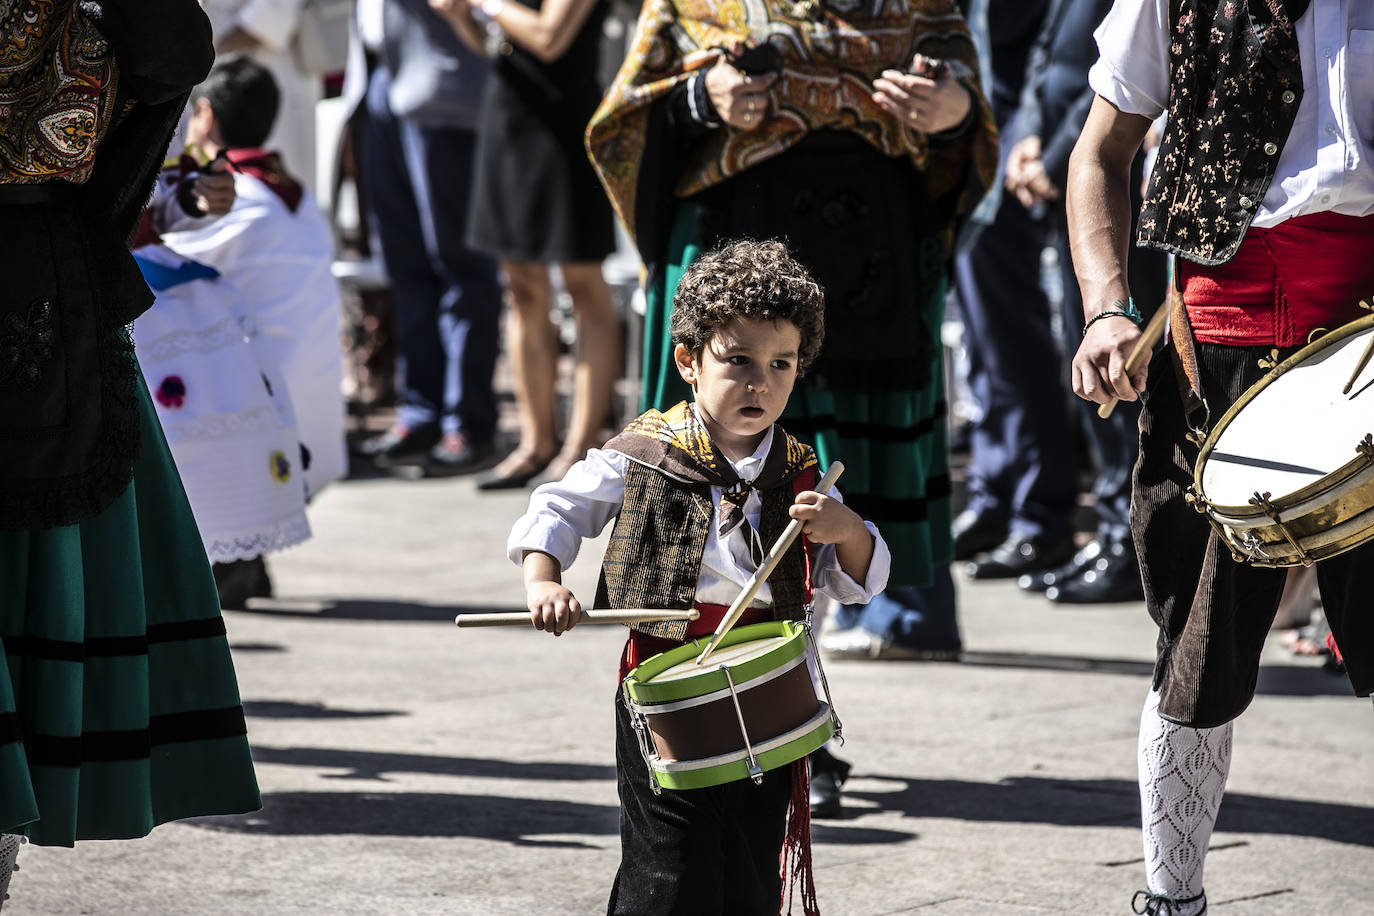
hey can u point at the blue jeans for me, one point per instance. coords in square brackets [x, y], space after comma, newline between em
[446, 301]
[911, 616]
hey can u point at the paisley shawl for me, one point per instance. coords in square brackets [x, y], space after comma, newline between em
[58, 83]
[831, 54]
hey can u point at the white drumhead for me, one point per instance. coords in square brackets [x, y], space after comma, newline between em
[730, 655]
[1296, 430]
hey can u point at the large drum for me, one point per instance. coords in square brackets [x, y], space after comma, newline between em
[1287, 476]
[751, 708]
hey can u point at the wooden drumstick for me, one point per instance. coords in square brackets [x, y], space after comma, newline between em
[756, 581]
[613, 615]
[1364, 361]
[1144, 346]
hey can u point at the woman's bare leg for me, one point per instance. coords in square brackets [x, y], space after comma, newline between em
[596, 365]
[531, 343]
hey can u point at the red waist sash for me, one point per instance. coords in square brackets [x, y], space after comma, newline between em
[1283, 283]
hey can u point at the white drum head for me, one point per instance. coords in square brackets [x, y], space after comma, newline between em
[1296, 430]
[730, 655]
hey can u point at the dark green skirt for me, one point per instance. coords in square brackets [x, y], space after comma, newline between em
[893, 442]
[119, 709]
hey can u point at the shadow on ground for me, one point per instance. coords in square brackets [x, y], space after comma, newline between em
[1105, 802]
[378, 765]
[1287, 680]
[363, 610]
[285, 709]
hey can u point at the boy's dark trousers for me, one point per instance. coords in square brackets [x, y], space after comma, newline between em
[700, 851]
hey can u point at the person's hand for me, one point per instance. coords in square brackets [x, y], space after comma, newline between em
[1026, 151]
[552, 607]
[1099, 366]
[741, 101]
[930, 104]
[826, 519]
[212, 190]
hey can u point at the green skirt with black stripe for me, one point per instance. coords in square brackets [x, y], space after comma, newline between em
[119, 709]
[893, 441]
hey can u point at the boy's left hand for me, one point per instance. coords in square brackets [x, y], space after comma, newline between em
[827, 520]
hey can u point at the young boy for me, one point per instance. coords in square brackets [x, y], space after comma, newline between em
[699, 495]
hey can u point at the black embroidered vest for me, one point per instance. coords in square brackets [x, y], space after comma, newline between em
[1235, 82]
[654, 554]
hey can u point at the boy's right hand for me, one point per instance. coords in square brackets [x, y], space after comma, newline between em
[552, 607]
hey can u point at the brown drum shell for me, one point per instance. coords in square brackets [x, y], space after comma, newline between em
[770, 709]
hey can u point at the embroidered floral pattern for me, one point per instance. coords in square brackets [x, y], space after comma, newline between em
[280, 467]
[172, 392]
[1234, 87]
[26, 344]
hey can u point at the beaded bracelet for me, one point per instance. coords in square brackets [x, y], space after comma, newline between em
[1130, 311]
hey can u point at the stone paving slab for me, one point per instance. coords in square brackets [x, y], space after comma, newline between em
[410, 767]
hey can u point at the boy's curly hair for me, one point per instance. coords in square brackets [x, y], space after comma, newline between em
[748, 279]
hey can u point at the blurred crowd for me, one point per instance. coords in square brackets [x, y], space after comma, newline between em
[411, 179]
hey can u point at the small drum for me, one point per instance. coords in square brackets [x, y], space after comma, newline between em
[1287, 476]
[751, 708]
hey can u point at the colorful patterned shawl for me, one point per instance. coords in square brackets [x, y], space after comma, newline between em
[57, 91]
[831, 53]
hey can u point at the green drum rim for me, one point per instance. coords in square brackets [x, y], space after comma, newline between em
[737, 770]
[641, 689]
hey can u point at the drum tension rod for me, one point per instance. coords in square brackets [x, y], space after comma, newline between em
[825, 684]
[1261, 502]
[752, 762]
[641, 727]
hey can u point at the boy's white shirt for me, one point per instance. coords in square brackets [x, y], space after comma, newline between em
[563, 513]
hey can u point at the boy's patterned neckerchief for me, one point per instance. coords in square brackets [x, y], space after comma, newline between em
[676, 442]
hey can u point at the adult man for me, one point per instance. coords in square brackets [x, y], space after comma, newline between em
[1264, 188]
[415, 90]
[1021, 483]
[1053, 108]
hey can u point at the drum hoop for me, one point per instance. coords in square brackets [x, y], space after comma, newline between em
[651, 709]
[1312, 490]
[761, 747]
[794, 645]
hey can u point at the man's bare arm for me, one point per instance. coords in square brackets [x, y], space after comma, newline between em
[1099, 211]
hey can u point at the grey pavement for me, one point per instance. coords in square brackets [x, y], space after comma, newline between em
[411, 767]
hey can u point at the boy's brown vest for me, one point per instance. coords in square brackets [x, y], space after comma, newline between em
[1235, 82]
[654, 555]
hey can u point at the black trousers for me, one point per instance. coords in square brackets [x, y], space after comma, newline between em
[700, 851]
[1214, 613]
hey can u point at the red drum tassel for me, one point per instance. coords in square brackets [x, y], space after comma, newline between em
[1335, 650]
[796, 847]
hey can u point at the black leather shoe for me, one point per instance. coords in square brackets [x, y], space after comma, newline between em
[1018, 555]
[239, 580]
[1038, 582]
[1113, 576]
[401, 444]
[976, 532]
[456, 453]
[828, 774]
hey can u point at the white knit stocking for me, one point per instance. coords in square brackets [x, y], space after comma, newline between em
[1182, 778]
[9, 849]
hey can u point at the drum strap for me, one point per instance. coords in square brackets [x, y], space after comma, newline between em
[1195, 411]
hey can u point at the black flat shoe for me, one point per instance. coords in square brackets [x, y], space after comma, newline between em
[976, 532]
[1114, 576]
[828, 774]
[527, 471]
[1018, 555]
[1038, 582]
